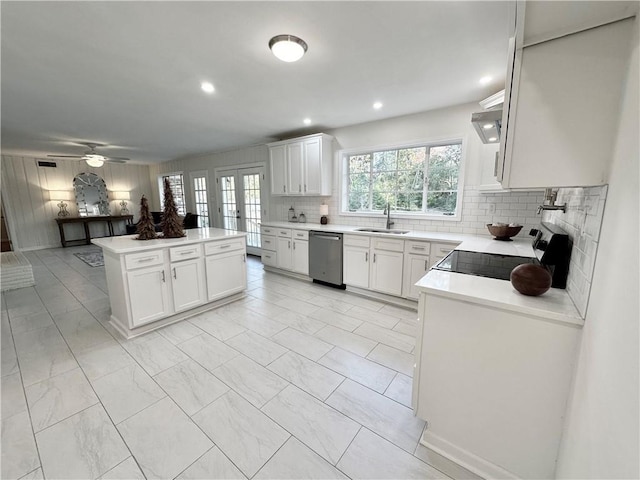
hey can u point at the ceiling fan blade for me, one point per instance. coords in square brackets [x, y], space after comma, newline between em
[65, 156]
[116, 160]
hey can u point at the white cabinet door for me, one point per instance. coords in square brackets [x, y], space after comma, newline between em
[386, 272]
[279, 173]
[296, 167]
[355, 261]
[415, 267]
[312, 167]
[187, 285]
[226, 274]
[148, 295]
[300, 256]
[283, 253]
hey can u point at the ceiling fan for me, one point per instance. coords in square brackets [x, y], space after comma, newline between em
[93, 158]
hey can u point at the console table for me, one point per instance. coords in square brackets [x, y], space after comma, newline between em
[108, 219]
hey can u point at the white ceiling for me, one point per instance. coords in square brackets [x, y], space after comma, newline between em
[128, 74]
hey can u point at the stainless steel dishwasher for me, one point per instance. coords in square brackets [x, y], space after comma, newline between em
[325, 258]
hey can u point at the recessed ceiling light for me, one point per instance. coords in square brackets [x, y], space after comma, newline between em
[377, 105]
[487, 126]
[307, 121]
[493, 139]
[485, 80]
[207, 87]
[288, 48]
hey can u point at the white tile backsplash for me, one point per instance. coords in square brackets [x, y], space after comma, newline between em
[582, 221]
[510, 207]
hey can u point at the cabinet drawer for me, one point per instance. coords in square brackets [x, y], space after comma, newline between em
[270, 259]
[267, 230]
[212, 248]
[419, 248]
[268, 242]
[442, 249]
[144, 259]
[357, 241]
[389, 244]
[283, 232]
[301, 234]
[184, 253]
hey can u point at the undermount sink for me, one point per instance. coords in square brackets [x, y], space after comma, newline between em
[382, 230]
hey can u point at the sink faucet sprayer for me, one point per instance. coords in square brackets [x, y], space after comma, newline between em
[387, 212]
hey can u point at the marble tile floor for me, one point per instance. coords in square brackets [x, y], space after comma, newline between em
[284, 383]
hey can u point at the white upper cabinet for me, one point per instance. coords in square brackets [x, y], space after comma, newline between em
[302, 166]
[561, 108]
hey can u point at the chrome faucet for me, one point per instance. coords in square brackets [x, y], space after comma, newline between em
[387, 212]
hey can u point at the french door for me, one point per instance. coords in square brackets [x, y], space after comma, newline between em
[240, 200]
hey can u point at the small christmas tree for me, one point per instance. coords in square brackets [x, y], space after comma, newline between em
[171, 223]
[146, 229]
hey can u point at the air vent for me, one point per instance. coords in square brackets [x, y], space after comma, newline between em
[43, 163]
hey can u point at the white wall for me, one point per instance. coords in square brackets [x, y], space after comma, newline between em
[601, 429]
[30, 213]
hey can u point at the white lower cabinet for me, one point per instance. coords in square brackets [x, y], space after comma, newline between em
[386, 272]
[226, 274]
[148, 295]
[355, 266]
[300, 256]
[289, 250]
[187, 284]
[283, 253]
[415, 267]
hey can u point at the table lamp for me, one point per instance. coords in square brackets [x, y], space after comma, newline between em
[324, 211]
[123, 196]
[61, 195]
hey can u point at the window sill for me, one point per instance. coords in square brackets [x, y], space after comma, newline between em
[402, 216]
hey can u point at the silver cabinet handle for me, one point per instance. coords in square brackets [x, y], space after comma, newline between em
[163, 280]
[144, 260]
[305, 187]
[366, 256]
[294, 245]
[425, 265]
[225, 246]
[284, 188]
[374, 258]
[174, 274]
[289, 244]
[244, 258]
[415, 247]
[299, 188]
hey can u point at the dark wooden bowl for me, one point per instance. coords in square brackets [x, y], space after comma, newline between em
[503, 232]
[530, 279]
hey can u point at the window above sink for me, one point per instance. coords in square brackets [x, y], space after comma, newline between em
[420, 180]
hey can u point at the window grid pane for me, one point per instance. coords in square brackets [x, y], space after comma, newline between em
[413, 180]
[177, 188]
[252, 207]
[229, 207]
[202, 206]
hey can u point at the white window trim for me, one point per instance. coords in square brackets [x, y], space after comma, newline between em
[432, 142]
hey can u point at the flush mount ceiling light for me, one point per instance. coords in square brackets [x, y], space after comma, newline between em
[207, 87]
[485, 80]
[377, 105]
[288, 48]
[488, 126]
[307, 121]
[94, 160]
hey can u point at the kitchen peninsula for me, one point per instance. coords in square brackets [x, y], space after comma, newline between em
[157, 282]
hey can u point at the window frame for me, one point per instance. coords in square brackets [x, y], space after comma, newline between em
[192, 176]
[161, 190]
[343, 159]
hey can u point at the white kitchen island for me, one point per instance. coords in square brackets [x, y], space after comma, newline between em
[153, 283]
[493, 369]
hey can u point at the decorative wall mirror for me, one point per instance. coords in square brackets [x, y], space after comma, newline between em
[91, 195]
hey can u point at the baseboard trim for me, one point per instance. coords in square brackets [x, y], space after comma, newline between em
[397, 301]
[464, 458]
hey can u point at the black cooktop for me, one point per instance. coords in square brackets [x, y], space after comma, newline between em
[482, 264]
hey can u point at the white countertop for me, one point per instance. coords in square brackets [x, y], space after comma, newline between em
[129, 244]
[412, 235]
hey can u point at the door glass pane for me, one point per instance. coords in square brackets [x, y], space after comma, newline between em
[252, 207]
[202, 206]
[229, 206]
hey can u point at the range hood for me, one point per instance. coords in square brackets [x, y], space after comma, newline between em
[488, 125]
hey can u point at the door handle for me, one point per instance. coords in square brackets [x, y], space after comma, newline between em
[174, 274]
[163, 280]
[425, 265]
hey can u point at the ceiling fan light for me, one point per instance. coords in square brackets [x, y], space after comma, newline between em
[94, 160]
[288, 48]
